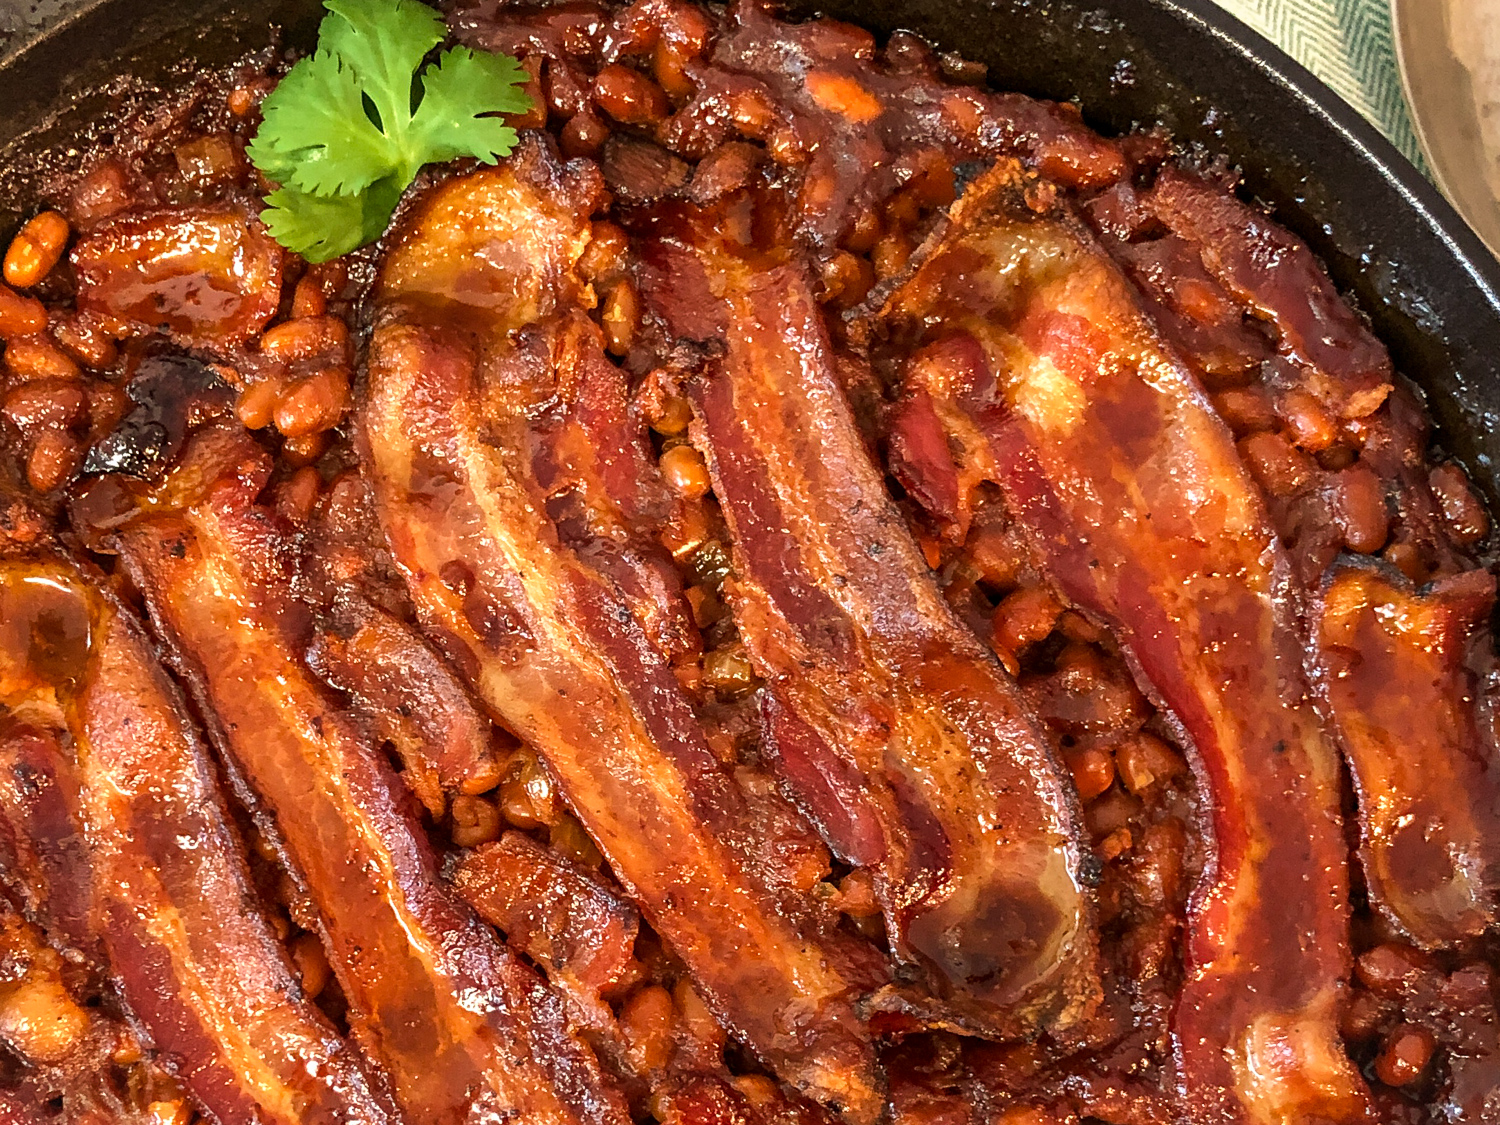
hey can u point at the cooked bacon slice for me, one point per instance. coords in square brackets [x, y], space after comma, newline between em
[1401, 672]
[1130, 487]
[44, 858]
[412, 697]
[903, 736]
[561, 915]
[1279, 279]
[198, 965]
[206, 276]
[463, 1028]
[458, 366]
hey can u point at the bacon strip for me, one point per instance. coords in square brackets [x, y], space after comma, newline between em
[551, 644]
[411, 696]
[464, 1029]
[559, 914]
[1133, 494]
[199, 967]
[1280, 280]
[1398, 676]
[944, 785]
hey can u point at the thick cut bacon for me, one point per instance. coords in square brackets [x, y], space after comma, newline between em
[1398, 672]
[903, 736]
[462, 1027]
[550, 642]
[1130, 487]
[171, 902]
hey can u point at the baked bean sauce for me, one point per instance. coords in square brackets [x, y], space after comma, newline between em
[156, 341]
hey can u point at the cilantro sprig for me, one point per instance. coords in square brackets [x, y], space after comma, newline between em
[351, 125]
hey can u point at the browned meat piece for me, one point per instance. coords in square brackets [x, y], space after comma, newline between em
[206, 276]
[1042, 367]
[461, 359]
[197, 964]
[902, 735]
[461, 1026]
[559, 914]
[1403, 676]
[411, 696]
[1278, 277]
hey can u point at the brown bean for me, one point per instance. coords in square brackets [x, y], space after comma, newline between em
[629, 96]
[85, 340]
[1025, 616]
[1311, 426]
[583, 135]
[1359, 505]
[846, 279]
[673, 416]
[698, 1022]
[304, 450]
[1145, 761]
[1389, 969]
[527, 798]
[308, 299]
[1279, 466]
[240, 101]
[647, 1021]
[313, 404]
[107, 405]
[312, 964]
[36, 249]
[53, 460]
[728, 670]
[46, 404]
[621, 317]
[685, 472]
[38, 357]
[256, 405]
[840, 93]
[1408, 1049]
[1466, 517]
[1245, 409]
[1093, 772]
[475, 821]
[20, 316]
[1363, 1015]
[306, 338]
[101, 192]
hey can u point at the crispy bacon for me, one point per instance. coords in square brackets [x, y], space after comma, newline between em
[561, 915]
[1399, 677]
[1132, 492]
[905, 739]
[462, 1027]
[548, 639]
[171, 899]
[206, 276]
[1278, 278]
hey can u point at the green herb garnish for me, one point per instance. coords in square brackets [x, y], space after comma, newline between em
[350, 126]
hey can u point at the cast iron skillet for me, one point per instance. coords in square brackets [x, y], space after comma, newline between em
[1425, 279]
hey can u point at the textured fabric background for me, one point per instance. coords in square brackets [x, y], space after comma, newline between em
[1346, 43]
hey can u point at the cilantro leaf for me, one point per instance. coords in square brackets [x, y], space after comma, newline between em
[350, 126]
[322, 227]
[456, 94]
[316, 133]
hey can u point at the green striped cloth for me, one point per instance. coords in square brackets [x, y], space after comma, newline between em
[1346, 43]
